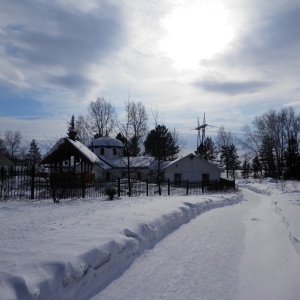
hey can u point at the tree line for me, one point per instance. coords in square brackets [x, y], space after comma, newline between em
[269, 146]
[11, 146]
[131, 129]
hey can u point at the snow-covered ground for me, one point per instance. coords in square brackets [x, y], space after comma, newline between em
[74, 249]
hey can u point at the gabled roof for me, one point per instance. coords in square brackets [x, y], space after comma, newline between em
[67, 147]
[138, 162]
[192, 156]
[4, 161]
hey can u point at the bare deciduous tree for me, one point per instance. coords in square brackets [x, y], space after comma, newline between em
[101, 117]
[179, 141]
[84, 133]
[12, 141]
[277, 128]
[2, 144]
[251, 141]
[132, 130]
[224, 138]
[137, 120]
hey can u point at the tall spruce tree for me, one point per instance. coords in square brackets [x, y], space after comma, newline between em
[33, 156]
[292, 159]
[267, 157]
[230, 159]
[207, 150]
[160, 144]
[246, 168]
[256, 166]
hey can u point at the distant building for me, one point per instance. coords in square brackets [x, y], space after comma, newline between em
[191, 168]
[113, 165]
[104, 159]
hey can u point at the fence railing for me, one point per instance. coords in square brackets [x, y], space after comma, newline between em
[30, 183]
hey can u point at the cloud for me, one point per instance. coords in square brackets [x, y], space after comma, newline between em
[58, 39]
[270, 42]
[232, 87]
[71, 80]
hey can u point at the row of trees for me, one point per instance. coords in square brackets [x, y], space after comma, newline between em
[273, 143]
[222, 152]
[131, 129]
[11, 146]
[269, 147]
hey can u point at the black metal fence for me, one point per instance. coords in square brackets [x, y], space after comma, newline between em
[30, 183]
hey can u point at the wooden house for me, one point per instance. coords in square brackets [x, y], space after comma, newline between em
[70, 162]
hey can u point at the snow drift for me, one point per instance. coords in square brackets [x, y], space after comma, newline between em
[77, 247]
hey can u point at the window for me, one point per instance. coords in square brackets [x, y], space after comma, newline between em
[101, 151]
[114, 151]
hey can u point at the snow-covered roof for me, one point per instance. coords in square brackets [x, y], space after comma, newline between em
[91, 156]
[83, 150]
[107, 141]
[122, 162]
[191, 155]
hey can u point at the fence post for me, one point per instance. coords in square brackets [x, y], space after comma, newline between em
[83, 185]
[202, 186]
[187, 186]
[119, 187]
[32, 181]
[168, 186]
[147, 187]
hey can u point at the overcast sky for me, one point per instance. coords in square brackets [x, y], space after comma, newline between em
[229, 59]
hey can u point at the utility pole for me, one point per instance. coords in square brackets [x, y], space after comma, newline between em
[200, 128]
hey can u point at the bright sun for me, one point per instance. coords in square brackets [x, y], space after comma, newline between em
[194, 33]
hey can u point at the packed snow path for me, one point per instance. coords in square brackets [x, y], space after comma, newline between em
[237, 252]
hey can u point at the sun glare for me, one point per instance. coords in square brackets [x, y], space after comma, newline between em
[194, 33]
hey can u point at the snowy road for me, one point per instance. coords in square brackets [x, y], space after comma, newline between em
[238, 252]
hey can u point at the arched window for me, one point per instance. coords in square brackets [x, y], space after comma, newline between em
[101, 151]
[114, 151]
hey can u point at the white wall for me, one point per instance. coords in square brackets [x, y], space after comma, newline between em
[192, 170]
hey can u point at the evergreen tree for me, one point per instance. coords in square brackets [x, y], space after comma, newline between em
[256, 166]
[33, 156]
[130, 146]
[292, 159]
[160, 144]
[229, 159]
[267, 157]
[246, 168]
[207, 150]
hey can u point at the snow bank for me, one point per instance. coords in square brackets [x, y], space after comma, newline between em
[286, 200]
[75, 248]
